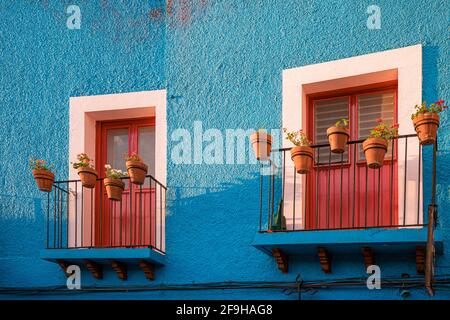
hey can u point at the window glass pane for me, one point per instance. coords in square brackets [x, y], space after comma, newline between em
[370, 108]
[326, 113]
[117, 147]
[146, 147]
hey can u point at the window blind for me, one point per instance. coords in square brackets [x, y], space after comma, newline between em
[370, 108]
[326, 113]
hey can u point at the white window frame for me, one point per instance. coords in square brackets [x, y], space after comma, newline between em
[85, 111]
[403, 65]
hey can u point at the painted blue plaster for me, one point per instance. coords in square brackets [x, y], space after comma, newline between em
[221, 62]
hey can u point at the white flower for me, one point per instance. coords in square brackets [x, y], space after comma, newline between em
[107, 166]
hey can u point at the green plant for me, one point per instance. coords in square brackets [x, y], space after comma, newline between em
[298, 138]
[435, 107]
[343, 123]
[384, 131]
[114, 173]
[38, 164]
[133, 157]
[83, 161]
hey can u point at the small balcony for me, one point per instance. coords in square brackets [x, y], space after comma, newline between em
[85, 227]
[342, 206]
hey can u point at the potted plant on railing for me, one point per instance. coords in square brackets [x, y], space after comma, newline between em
[137, 170]
[262, 144]
[302, 154]
[376, 145]
[88, 175]
[338, 136]
[42, 175]
[426, 120]
[113, 184]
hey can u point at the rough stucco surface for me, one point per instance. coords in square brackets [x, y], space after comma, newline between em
[221, 62]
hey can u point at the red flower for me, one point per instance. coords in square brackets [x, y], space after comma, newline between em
[439, 102]
[395, 125]
[379, 120]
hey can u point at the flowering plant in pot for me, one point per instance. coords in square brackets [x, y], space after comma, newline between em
[262, 144]
[338, 136]
[113, 184]
[426, 120]
[42, 175]
[88, 175]
[302, 154]
[137, 170]
[375, 146]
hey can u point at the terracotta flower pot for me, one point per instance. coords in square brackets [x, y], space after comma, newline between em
[262, 145]
[114, 188]
[303, 158]
[426, 125]
[137, 170]
[338, 137]
[44, 179]
[88, 177]
[374, 150]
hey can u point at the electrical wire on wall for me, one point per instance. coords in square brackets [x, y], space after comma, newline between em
[299, 286]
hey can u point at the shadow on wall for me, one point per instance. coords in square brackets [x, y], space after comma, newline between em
[209, 231]
[429, 94]
[430, 73]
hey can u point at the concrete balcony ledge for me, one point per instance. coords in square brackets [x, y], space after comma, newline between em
[346, 241]
[103, 255]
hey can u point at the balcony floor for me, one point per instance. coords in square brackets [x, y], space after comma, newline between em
[346, 241]
[103, 255]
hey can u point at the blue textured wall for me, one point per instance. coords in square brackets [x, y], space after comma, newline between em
[221, 62]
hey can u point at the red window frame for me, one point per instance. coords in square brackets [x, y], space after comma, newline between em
[133, 126]
[352, 94]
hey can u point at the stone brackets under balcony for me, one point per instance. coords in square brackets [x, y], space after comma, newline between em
[365, 243]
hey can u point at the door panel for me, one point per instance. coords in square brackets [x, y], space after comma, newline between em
[146, 146]
[127, 223]
[343, 193]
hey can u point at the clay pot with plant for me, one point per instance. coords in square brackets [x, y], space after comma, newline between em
[262, 144]
[302, 154]
[376, 145]
[338, 136]
[113, 184]
[426, 120]
[136, 168]
[42, 175]
[88, 175]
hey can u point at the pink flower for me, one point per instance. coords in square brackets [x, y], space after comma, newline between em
[379, 120]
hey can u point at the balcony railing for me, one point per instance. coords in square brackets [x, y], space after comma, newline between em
[341, 192]
[78, 217]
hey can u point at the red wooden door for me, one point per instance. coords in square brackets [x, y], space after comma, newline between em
[127, 223]
[343, 192]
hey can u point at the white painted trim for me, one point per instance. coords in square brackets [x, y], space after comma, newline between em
[85, 111]
[403, 64]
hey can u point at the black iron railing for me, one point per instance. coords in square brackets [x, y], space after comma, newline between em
[78, 217]
[341, 192]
